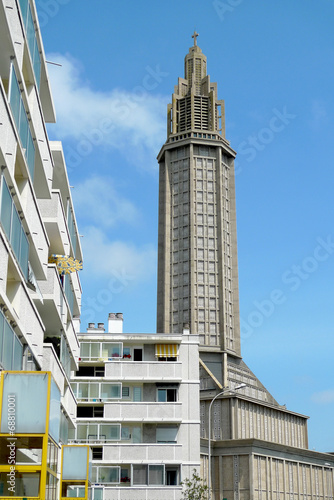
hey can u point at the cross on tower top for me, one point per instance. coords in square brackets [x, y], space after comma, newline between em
[194, 36]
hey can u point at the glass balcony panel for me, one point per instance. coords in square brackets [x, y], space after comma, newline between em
[8, 347]
[24, 253]
[111, 391]
[71, 228]
[30, 155]
[71, 434]
[109, 474]
[97, 493]
[24, 10]
[94, 391]
[94, 474]
[110, 432]
[37, 63]
[64, 429]
[31, 391]
[28, 450]
[85, 350]
[15, 98]
[2, 326]
[18, 354]
[30, 31]
[54, 422]
[75, 492]
[75, 461]
[65, 358]
[6, 208]
[139, 474]
[112, 350]
[82, 391]
[25, 484]
[156, 474]
[92, 432]
[69, 292]
[166, 434]
[15, 237]
[82, 431]
[136, 435]
[23, 129]
[94, 350]
[75, 387]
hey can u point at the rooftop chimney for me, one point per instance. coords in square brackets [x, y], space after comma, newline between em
[115, 323]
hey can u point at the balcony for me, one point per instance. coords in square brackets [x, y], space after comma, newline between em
[54, 309]
[146, 412]
[53, 216]
[144, 370]
[129, 453]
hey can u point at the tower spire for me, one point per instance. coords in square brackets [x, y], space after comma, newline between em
[194, 36]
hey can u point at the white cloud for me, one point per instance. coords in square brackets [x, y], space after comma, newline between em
[323, 397]
[107, 259]
[116, 119]
[98, 202]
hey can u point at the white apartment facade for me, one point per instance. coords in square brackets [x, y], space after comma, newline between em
[138, 409]
[39, 307]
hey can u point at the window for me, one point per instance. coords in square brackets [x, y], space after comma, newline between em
[97, 453]
[112, 351]
[125, 392]
[11, 349]
[166, 434]
[137, 354]
[109, 474]
[171, 476]
[125, 475]
[155, 474]
[151, 475]
[125, 435]
[126, 353]
[13, 228]
[137, 394]
[29, 27]
[167, 395]
[139, 474]
[21, 122]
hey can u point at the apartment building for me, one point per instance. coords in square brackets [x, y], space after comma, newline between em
[138, 408]
[40, 292]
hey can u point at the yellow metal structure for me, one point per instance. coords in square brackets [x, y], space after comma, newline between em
[45, 471]
[77, 486]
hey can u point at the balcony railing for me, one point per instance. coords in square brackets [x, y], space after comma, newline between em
[144, 370]
[134, 411]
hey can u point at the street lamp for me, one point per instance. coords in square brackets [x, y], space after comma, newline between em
[240, 386]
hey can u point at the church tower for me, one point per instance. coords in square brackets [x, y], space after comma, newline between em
[197, 250]
[251, 446]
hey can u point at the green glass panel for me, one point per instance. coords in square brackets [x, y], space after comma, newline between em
[30, 391]
[24, 10]
[2, 326]
[155, 474]
[15, 98]
[8, 347]
[15, 235]
[24, 253]
[30, 31]
[18, 354]
[75, 462]
[23, 129]
[6, 208]
[54, 422]
[30, 155]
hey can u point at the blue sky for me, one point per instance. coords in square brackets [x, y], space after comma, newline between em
[274, 64]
